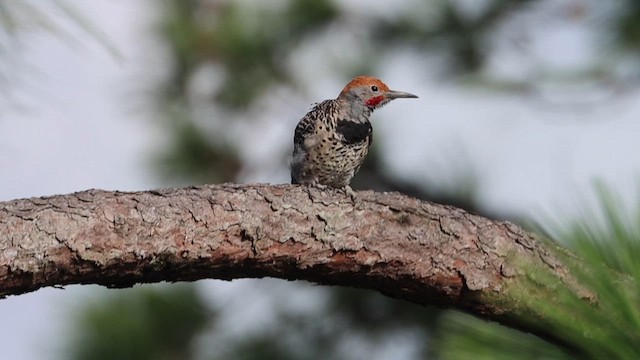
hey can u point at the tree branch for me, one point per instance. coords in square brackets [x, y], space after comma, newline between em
[406, 248]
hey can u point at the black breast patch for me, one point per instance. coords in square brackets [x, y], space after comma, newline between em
[354, 132]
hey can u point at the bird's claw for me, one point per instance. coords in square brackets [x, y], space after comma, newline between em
[320, 186]
[349, 191]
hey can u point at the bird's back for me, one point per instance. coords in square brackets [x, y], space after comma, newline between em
[329, 146]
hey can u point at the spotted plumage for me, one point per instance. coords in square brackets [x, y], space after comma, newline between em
[332, 140]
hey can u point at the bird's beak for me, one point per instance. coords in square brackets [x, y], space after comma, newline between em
[393, 94]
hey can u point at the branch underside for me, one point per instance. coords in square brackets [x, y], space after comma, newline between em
[406, 248]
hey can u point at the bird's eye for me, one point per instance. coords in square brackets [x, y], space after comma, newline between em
[374, 88]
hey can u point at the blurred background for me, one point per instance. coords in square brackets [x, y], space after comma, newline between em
[523, 105]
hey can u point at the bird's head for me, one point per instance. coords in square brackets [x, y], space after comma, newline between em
[371, 92]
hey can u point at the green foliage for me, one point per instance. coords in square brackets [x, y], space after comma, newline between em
[463, 336]
[464, 38]
[165, 322]
[156, 323]
[190, 148]
[626, 25]
[608, 246]
[352, 324]
[248, 42]
[305, 16]
[595, 316]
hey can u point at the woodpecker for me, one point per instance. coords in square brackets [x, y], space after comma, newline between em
[331, 141]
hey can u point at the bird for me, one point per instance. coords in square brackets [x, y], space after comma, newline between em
[332, 140]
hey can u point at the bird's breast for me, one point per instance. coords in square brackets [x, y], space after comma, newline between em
[352, 132]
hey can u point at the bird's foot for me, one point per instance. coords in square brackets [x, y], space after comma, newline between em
[349, 191]
[320, 186]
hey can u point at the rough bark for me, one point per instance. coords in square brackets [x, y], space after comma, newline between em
[406, 248]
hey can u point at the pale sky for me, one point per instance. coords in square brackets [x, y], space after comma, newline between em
[81, 130]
